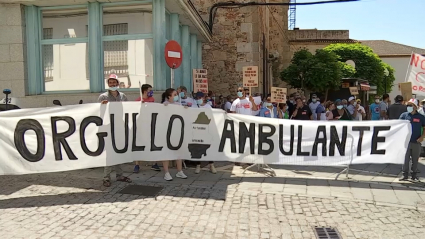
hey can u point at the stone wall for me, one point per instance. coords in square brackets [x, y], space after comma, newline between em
[12, 70]
[237, 41]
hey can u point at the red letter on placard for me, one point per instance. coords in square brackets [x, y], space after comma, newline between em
[414, 60]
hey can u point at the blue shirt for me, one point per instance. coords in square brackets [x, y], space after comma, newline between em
[418, 122]
[375, 109]
[266, 112]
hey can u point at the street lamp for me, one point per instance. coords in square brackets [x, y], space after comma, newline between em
[386, 73]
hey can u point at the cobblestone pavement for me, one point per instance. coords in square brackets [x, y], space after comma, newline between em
[74, 205]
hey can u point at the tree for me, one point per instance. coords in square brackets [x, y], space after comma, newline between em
[368, 64]
[320, 72]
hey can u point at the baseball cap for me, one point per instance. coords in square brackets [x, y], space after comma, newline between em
[199, 94]
[351, 98]
[413, 101]
[113, 76]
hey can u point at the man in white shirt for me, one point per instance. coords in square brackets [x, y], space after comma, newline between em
[242, 105]
[313, 105]
[185, 100]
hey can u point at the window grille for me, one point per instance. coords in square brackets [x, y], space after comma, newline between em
[115, 52]
[48, 55]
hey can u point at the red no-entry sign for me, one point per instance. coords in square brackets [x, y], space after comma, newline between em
[173, 54]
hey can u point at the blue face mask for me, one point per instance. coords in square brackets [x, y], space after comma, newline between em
[176, 98]
[240, 94]
[199, 102]
[410, 109]
[267, 104]
[181, 94]
[339, 107]
[150, 93]
[314, 100]
[113, 88]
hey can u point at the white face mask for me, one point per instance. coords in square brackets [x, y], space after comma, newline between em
[410, 109]
[355, 103]
[377, 100]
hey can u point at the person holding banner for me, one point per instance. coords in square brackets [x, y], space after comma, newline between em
[418, 134]
[147, 96]
[268, 110]
[113, 95]
[302, 111]
[243, 105]
[202, 103]
[170, 97]
[185, 100]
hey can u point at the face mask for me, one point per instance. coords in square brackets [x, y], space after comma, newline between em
[150, 93]
[292, 101]
[314, 100]
[377, 100]
[199, 102]
[267, 104]
[240, 94]
[409, 109]
[181, 94]
[339, 107]
[303, 101]
[113, 88]
[355, 103]
[176, 98]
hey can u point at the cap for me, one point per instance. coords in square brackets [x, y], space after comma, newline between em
[398, 98]
[199, 94]
[413, 101]
[351, 98]
[113, 76]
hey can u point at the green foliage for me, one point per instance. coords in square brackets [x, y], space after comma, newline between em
[319, 72]
[368, 65]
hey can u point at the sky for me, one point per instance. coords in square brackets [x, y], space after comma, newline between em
[400, 21]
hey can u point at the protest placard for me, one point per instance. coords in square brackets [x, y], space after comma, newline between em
[200, 81]
[278, 95]
[250, 76]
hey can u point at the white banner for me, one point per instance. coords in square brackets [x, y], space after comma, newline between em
[416, 74]
[94, 135]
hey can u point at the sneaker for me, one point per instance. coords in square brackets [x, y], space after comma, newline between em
[155, 167]
[212, 169]
[181, 175]
[136, 169]
[198, 169]
[404, 178]
[168, 177]
[415, 178]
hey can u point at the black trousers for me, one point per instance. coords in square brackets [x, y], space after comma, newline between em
[199, 162]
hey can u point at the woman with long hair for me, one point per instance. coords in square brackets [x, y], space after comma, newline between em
[170, 97]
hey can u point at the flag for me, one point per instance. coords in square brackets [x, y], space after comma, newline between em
[416, 74]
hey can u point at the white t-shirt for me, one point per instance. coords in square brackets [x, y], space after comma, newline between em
[361, 111]
[189, 102]
[313, 107]
[243, 107]
[208, 106]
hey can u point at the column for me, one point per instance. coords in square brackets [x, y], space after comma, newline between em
[176, 36]
[97, 81]
[193, 56]
[33, 50]
[186, 68]
[159, 37]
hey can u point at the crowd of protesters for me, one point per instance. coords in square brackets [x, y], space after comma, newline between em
[297, 107]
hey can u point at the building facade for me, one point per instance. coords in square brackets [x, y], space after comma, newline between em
[51, 49]
[398, 56]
